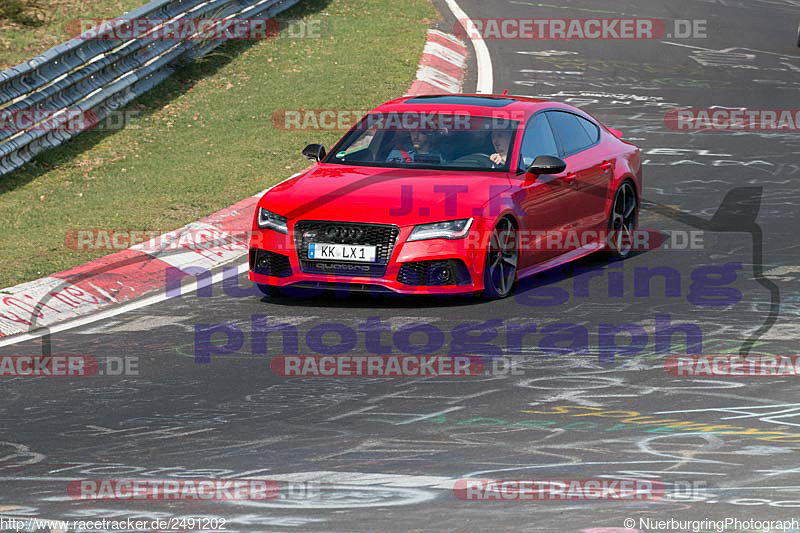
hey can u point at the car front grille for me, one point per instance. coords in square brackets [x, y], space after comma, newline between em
[269, 263]
[434, 273]
[382, 236]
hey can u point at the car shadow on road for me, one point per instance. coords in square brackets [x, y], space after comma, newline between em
[381, 299]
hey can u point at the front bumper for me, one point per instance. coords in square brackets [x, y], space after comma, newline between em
[465, 250]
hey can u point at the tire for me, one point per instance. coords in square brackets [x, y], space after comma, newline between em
[270, 291]
[502, 257]
[798, 35]
[622, 221]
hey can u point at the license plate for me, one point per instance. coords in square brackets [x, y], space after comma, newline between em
[342, 252]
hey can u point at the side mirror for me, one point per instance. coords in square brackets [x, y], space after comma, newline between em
[314, 152]
[547, 164]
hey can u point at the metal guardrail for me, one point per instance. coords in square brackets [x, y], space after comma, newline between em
[99, 75]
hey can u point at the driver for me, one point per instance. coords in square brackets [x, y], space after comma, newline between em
[501, 139]
[422, 149]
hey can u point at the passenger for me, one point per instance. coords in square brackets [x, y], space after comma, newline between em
[422, 149]
[501, 139]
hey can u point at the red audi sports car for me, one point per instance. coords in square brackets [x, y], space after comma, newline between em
[449, 194]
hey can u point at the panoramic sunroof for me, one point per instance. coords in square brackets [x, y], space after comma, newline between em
[482, 101]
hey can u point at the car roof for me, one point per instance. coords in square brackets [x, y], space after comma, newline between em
[470, 104]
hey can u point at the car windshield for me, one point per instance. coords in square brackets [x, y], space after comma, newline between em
[428, 140]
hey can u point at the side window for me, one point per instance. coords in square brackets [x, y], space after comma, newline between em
[537, 140]
[591, 129]
[571, 133]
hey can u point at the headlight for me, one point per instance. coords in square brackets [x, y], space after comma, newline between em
[268, 220]
[454, 229]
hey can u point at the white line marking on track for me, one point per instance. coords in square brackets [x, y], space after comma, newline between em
[485, 75]
[117, 310]
[425, 417]
[142, 323]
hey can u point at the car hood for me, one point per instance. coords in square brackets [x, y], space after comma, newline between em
[380, 195]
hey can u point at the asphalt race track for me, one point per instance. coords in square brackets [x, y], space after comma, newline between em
[383, 454]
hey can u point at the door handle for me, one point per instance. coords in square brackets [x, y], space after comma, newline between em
[570, 178]
[606, 166]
